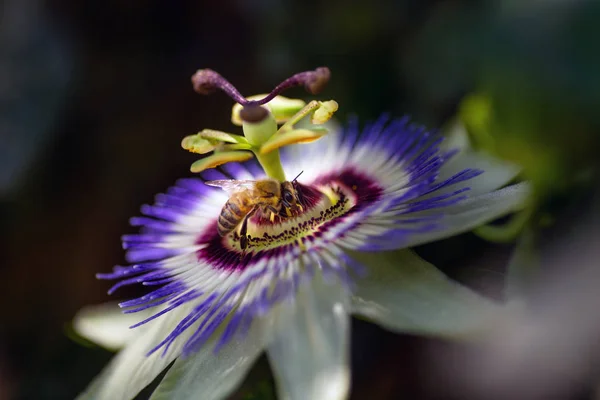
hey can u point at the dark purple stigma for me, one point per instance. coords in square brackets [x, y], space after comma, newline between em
[206, 81]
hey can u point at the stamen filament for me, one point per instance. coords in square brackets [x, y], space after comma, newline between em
[310, 107]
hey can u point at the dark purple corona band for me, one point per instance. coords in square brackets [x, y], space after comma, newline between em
[351, 191]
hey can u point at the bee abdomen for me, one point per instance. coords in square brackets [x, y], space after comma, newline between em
[229, 218]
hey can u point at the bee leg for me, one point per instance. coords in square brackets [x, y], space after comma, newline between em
[244, 232]
[273, 213]
[243, 240]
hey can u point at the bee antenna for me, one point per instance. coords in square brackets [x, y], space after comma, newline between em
[294, 180]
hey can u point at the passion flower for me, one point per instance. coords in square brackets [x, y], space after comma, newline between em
[215, 306]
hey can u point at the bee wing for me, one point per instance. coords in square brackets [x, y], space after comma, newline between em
[232, 185]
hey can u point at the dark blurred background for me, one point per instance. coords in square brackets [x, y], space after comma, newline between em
[95, 98]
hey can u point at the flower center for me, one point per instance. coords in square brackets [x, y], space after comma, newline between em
[334, 201]
[325, 204]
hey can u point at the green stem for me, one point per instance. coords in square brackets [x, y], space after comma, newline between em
[509, 231]
[259, 133]
[271, 164]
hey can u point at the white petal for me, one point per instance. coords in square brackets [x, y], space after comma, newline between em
[497, 172]
[106, 325]
[316, 157]
[474, 211]
[131, 369]
[456, 137]
[309, 354]
[404, 293]
[208, 375]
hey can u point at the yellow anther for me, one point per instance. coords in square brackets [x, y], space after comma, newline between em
[324, 112]
[219, 159]
[198, 145]
[292, 137]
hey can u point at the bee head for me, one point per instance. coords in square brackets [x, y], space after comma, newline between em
[289, 195]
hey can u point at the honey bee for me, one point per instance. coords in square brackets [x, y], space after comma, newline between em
[268, 196]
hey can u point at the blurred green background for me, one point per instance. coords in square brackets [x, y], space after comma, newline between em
[95, 98]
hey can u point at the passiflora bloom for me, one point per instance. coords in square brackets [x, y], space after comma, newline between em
[288, 283]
